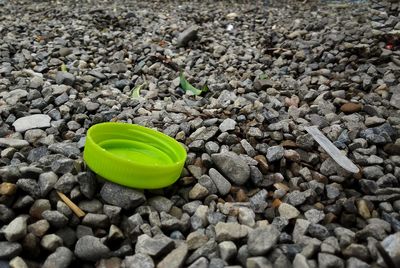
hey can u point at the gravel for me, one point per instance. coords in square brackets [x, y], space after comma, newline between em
[256, 189]
[90, 248]
[232, 166]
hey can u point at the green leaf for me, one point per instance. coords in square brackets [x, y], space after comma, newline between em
[64, 68]
[136, 91]
[263, 77]
[186, 86]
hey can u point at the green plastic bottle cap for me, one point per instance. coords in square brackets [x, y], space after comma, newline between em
[133, 155]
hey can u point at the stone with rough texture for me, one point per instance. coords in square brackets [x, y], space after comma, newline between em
[262, 239]
[186, 36]
[232, 166]
[154, 246]
[15, 143]
[230, 231]
[121, 196]
[275, 153]
[288, 211]
[392, 246]
[138, 260]
[222, 184]
[32, 121]
[395, 99]
[175, 258]
[90, 248]
[327, 260]
[9, 250]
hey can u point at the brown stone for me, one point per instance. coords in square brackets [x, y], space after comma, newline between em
[262, 163]
[276, 203]
[392, 149]
[289, 144]
[241, 196]
[282, 186]
[351, 107]
[7, 188]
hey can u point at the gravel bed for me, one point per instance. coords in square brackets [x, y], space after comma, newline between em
[256, 190]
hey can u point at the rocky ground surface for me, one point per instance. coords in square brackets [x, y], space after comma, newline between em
[257, 190]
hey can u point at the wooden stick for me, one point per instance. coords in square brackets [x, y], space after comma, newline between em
[71, 205]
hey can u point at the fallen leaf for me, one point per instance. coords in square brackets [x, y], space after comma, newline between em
[136, 92]
[186, 86]
[64, 68]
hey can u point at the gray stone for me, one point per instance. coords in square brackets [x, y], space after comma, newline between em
[65, 183]
[232, 166]
[356, 263]
[17, 262]
[186, 36]
[36, 82]
[227, 250]
[9, 250]
[65, 51]
[258, 262]
[395, 99]
[200, 263]
[196, 239]
[51, 242]
[296, 198]
[275, 153]
[36, 153]
[230, 231]
[118, 67]
[288, 211]
[196, 146]
[61, 258]
[356, 250]
[208, 250]
[55, 218]
[211, 147]
[39, 228]
[314, 215]
[227, 125]
[16, 229]
[15, 143]
[329, 261]
[318, 231]
[372, 172]
[222, 184]
[38, 207]
[46, 182]
[62, 165]
[248, 148]
[175, 258]
[65, 78]
[63, 98]
[246, 216]
[262, 239]
[70, 150]
[30, 186]
[90, 248]
[300, 261]
[204, 133]
[87, 184]
[96, 220]
[160, 203]
[392, 246]
[121, 196]
[32, 121]
[154, 246]
[139, 260]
